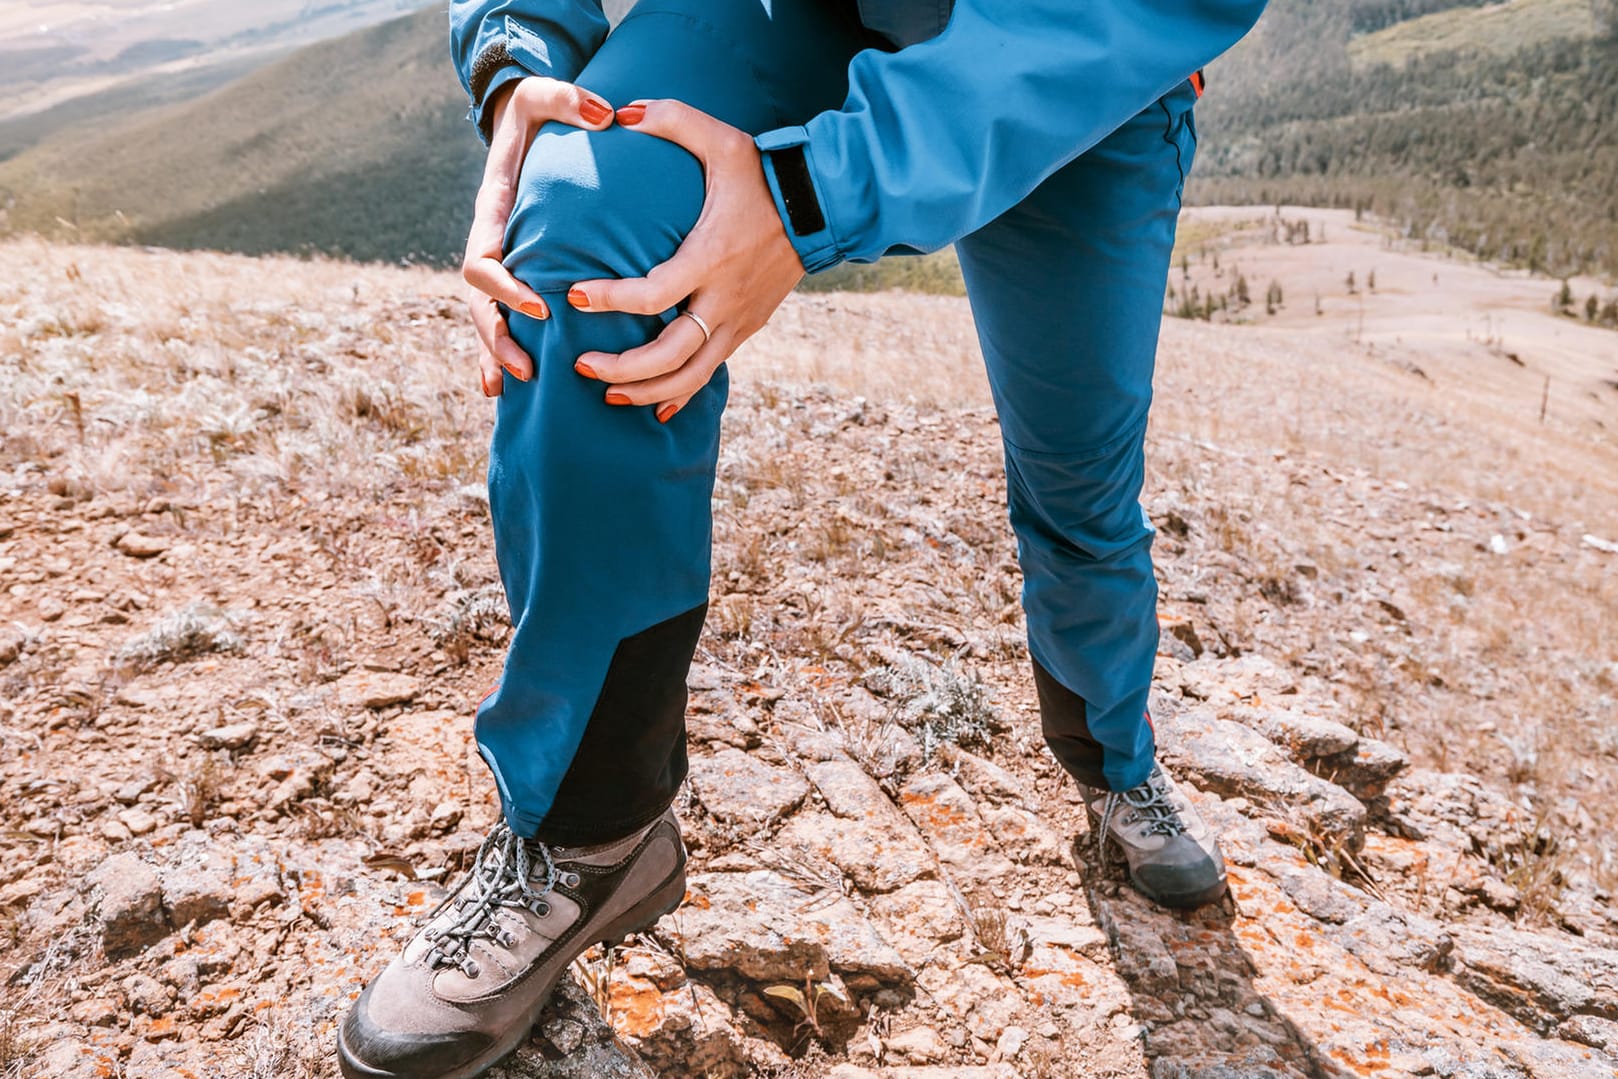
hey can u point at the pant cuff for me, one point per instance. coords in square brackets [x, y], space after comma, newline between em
[592, 833]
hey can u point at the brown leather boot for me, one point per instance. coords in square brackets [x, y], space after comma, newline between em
[471, 982]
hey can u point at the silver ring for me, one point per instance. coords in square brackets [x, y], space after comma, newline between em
[707, 334]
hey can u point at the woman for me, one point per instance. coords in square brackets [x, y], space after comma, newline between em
[622, 256]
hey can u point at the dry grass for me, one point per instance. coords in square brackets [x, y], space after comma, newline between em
[1494, 28]
[282, 1047]
[319, 424]
[17, 1047]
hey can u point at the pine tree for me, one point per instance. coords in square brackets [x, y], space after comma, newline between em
[1592, 307]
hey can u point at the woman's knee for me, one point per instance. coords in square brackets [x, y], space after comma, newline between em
[610, 203]
[1085, 505]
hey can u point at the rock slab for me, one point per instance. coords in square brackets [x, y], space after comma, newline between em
[769, 929]
[129, 904]
[738, 788]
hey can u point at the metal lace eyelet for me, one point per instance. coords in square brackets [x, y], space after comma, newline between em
[570, 880]
[542, 910]
[470, 969]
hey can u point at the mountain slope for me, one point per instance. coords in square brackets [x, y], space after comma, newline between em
[356, 146]
[248, 618]
[52, 51]
[127, 101]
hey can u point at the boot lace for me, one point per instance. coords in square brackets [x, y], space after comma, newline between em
[1148, 802]
[500, 877]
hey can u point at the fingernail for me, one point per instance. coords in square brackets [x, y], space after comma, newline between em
[631, 114]
[665, 412]
[483, 383]
[577, 298]
[514, 373]
[616, 398]
[585, 369]
[534, 310]
[594, 111]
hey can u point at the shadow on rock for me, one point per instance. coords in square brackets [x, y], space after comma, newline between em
[1193, 988]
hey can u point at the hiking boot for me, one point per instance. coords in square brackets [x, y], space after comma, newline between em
[1173, 856]
[468, 987]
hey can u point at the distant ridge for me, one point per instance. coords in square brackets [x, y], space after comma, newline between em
[356, 146]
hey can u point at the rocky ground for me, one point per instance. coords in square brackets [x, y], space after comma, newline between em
[248, 604]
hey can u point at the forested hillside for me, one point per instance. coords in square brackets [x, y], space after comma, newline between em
[1494, 128]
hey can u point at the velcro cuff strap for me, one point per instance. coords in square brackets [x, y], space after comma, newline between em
[490, 62]
[797, 190]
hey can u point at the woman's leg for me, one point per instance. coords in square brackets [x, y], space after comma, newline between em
[1067, 290]
[601, 518]
[601, 514]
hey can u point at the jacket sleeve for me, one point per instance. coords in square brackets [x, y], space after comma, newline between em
[494, 42]
[937, 139]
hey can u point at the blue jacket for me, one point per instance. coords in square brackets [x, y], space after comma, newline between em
[935, 139]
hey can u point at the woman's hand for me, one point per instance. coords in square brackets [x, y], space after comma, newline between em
[519, 109]
[733, 270]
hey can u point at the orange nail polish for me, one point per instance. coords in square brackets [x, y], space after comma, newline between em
[631, 114]
[577, 298]
[665, 412]
[483, 384]
[534, 310]
[616, 398]
[594, 111]
[514, 373]
[585, 369]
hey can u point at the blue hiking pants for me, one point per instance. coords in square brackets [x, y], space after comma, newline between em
[602, 515]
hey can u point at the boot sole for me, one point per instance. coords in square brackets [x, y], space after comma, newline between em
[664, 900]
[1186, 900]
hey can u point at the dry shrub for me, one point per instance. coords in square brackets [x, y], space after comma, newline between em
[469, 616]
[940, 705]
[184, 634]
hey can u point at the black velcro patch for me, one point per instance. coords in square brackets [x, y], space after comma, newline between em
[485, 67]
